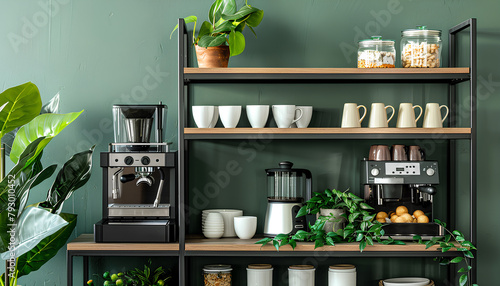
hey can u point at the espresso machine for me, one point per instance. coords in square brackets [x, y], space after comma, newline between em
[287, 189]
[389, 184]
[139, 179]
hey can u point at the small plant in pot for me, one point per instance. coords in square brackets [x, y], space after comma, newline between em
[328, 207]
[221, 37]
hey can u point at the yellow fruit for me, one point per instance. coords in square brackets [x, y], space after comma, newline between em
[382, 215]
[407, 217]
[401, 210]
[381, 220]
[400, 219]
[393, 218]
[422, 219]
[418, 213]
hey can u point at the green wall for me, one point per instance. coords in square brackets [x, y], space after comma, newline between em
[97, 53]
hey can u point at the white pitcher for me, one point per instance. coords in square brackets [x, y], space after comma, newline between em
[406, 115]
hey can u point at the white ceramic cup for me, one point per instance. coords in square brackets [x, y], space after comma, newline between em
[245, 226]
[378, 115]
[257, 115]
[350, 116]
[307, 112]
[203, 115]
[284, 115]
[432, 115]
[406, 115]
[215, 118]
[230, 115]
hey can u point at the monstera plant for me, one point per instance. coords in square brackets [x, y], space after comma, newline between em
[30, 235]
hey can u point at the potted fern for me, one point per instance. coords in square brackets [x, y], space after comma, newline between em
[222, 36]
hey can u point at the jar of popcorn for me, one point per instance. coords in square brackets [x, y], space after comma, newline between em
[376, 53]
[217, 275]
[421, 48]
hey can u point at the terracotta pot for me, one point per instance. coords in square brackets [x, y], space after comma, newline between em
[212, 57]
[336, 222]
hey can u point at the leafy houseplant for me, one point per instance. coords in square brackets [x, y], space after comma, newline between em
[136, 277]
[31, 235]
[223, 32]
[363, 228]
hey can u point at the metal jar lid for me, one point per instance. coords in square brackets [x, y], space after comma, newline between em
[260, 266]
[217, 268]
[375, 41]
[421, 31]
[343, 267]
[301, 267]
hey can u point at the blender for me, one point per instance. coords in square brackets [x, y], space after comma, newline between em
[287, 190]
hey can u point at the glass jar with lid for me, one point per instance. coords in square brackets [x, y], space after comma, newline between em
[376, 53]
[217, 275]
[420, 48]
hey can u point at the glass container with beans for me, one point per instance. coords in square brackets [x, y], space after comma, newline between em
[421, 48]
[376, 53]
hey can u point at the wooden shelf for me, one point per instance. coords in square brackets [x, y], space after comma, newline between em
[85, 242]
[327, 133]
[315, 75]
[228, 246]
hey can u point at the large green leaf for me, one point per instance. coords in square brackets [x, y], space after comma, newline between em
[236, 43]
[210, 41]
[34, 225]
[47, 248]
[244, 11]
[224, 27]
[228, 7]
[23, 104]
[205, 29]
[51, 107]
[73, 175]
[255, 19]
[45, 125]
[215, 11]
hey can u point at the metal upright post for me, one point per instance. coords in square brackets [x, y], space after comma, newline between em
[473, 142]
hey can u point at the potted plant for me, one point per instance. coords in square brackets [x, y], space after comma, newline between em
[135, 277]
[30, 235]
[221, 37]
[362, 227]
[327, 206]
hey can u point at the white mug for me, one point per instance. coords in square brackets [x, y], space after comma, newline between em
[230, 115]
[203, 115]
[304, 121]
[284, 115]
[215, 118]
[257, 115]
[350, 116]
[406, 115]
[245, 226]
[378, 115]
[432, 116]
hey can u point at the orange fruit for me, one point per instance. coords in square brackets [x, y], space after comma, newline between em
[393, 218]
[418, 213]
[407, 217]
[400, 219]
[381, 215]
[422, 219]
[381, 220]
[401, 210]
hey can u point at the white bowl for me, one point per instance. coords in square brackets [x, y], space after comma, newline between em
[213, 229]
[213, 234]
[407, 281]
[228, 217]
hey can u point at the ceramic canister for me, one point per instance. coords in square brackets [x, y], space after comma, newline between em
[260, 275]
[342, 275]
[301, 275]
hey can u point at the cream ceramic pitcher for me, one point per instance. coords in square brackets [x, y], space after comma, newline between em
[378, 115]
[350, 117]
[432, 115]
[406, 115]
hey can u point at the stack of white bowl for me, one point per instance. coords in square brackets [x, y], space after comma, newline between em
[213, 225]
[228, 218]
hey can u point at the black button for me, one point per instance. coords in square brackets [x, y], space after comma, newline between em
[129, 160]
[145, 160]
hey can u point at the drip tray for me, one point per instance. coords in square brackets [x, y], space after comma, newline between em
[138, 210]
[406, 231]
[111, 230]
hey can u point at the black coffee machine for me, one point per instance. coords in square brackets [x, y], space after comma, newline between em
[139, 179]
[389, 184]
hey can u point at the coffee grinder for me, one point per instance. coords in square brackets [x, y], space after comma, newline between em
[139, 179]
[287, 189]
[389, 184]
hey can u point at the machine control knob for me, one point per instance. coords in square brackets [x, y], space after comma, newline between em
[375, 172]
[430, 172]
[129, 160]
[145, 160]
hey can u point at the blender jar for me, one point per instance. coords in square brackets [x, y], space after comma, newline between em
[421, 48]
[288, 185]
[376, 53]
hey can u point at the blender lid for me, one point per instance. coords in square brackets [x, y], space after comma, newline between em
[286, 166]
[421, 31]
[139, 111]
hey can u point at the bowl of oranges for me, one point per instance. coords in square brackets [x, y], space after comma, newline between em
[401, 215]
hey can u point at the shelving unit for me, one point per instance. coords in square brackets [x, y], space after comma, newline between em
[195, 247]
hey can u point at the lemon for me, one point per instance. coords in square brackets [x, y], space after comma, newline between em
[114, 277]
[119, 282]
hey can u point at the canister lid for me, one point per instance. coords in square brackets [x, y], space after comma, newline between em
[421, 31]
[217, 268]
[301, 267]
[376, 41]
[342, 266]
[260, 266]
